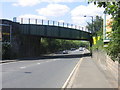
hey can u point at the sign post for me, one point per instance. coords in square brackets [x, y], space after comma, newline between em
[107, 29]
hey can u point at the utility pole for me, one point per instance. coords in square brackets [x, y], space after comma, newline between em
[92, 23]
[91, 41]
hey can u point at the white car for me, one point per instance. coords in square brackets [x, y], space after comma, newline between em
[80, 49]
[65, 52]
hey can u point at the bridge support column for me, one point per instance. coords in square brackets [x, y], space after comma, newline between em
[30, 46]
[91, 43]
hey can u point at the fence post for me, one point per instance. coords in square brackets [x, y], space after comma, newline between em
[75, 26]
[29, 21]
[53, 23]
[42, 21]
[21, 20]
[67, 25]
[82, 29]
[35, 21]
[48, 22]
[14, 19]
[63, 24]
[71, 25]
[58, 23]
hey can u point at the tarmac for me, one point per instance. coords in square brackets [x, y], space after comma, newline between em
[89, 75]
[7, 61]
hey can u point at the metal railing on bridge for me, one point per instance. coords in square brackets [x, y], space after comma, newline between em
[50, 23]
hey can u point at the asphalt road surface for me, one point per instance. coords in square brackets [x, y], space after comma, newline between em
[40, 73]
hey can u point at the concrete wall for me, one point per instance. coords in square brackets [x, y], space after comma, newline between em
[106, 62]
[30, 46]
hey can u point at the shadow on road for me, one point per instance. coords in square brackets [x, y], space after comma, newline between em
[57, 56]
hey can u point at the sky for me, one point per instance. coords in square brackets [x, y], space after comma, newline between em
[68, 11]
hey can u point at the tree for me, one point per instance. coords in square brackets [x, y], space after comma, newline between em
[97, 24]
[49, 45]
[98, 31]
[113, 8]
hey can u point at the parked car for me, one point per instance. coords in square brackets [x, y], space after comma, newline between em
[65, 52]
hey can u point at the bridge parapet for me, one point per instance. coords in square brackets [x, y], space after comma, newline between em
[47, 30]
[54, 32]
[49, 23]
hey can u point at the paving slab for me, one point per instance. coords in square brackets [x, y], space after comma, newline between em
[89, 75]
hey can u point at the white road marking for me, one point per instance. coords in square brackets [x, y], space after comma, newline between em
[52, 60]
[22, 67]
[71, 74]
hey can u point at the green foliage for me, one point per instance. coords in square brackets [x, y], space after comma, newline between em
[98, 31]
[84, 44]
[99, 45]
[114, 45]
[110, 7]
[6, 50]
[97, 24]
[113, 8]
[49, 45]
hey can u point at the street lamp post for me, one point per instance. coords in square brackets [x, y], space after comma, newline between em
[92, 33]
[92, 22]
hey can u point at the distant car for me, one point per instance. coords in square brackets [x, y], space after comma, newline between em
[65, 52]
[80, 49]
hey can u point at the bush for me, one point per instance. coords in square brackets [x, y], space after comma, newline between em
[6, 50]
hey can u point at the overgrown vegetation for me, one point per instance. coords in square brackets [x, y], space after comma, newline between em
[98, 32]
[54, 45]
[97, 25]
[113, 8]
[6, 50]
[47, 45]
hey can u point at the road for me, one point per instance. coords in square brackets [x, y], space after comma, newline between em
[40, 73]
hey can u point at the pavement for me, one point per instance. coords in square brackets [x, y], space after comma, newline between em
[90, 75]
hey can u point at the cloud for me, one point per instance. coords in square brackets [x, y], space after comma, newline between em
[79, 20]
[1, 9]
[59, 1]
[61, 21]
[24, 3]
[53, 10]
[78, 13]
